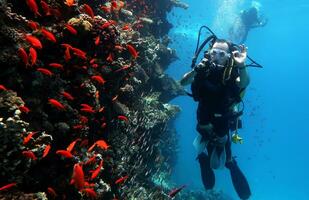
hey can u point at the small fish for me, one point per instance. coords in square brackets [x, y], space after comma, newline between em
[65, 45]
[33, 25]
[28, 138]
[78, 178]
[132, 51]
[48, 35]
[45, 71]
[3, 88]
[23, 55]
[56, 104]
[89, 192]
[8, 186]
[96, 172]
[105, 9]
[67, 95]
[67, 55]
[84, 105]
[88, 10]
[46, 150]
[24, 109]
[29, 154]
[33, 41]
[71, 146]
[52, 192]
[45, 8]
[110, 58]
[114, 5]
[126, 27]
[175, 191]
[33, 7]
[83, 119]
[56, 65]
[100, 143]
[79, 53]
[64, 153]
[123, 118]
[91, 160]
[97, 40]
[98, 79]
[87, 110]
[33, 56]
[237, 139]
[71, 29]
[121, 179]
[69, 3]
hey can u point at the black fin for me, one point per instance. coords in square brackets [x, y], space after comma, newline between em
[208, 175]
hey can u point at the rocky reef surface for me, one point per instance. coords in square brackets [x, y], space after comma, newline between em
[84, 110]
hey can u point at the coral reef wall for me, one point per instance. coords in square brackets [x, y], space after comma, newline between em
[84, 107]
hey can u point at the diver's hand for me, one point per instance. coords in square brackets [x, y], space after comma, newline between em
[240, 57]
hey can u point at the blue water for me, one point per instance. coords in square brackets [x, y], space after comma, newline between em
[276, 137]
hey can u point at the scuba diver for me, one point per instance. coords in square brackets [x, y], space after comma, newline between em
[247, 20]
[218, 84]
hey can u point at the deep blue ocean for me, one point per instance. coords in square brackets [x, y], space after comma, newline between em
[274, 155]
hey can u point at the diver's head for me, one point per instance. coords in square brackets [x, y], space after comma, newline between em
[220, 52]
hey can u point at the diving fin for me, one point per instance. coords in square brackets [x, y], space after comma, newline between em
[208, 175]
[199, 145]
[218, 157]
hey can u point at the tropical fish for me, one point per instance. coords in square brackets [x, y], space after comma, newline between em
[132, 51]
[237, 139]
[89, 192]
[91, 160]
[52, 192]
[8, 186]
[175, 191]
[35, 42]
[64, 153]
[78, 178]
[67, 55]
[106, 9]
[84, 105]
[3, 88]
[97, 40]
[96, 172]
[123, 118]
[45, 8]
[29, 154]
[88, 10]
[33, 55]
[33, 7]
[28, 138]
[87, 110]
[79, 53]
[71, 29]
[56, 65]
[98, 79]
[48, 35]
[56, 104]
[46, 150]
[24, 109]
[72, 144]
[33, 25]
[100, 143]
[121, 179]
[45, 71]
[67, 95]
[23, 55]
[69, 2]
[110, 58]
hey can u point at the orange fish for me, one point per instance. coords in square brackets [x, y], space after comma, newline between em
[33, 7]
[121, 180]
[35, 42]
[56, 65]
[98, 79]
[97, 40]
[56, 104]
[23, 55]
[33, 25]
[64, 153]
[71, 29]
[71, 146]
[45, 8]
[79, 53]
[89, 192]
[91, 160]
[28, 138]
[67, 95]
[100, 143]
[96, 172]
[78, 178]
[88, 10]
[33, 56]
[45, 71]
[69, 2]
[46, 150]
[7, 186]
[29, 154]
[132, 51]
[52, 192]
[48, 35]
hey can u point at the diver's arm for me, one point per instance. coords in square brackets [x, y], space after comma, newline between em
[187, 78]
[243, 79]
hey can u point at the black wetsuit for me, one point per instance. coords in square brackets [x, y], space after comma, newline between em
[214, 97]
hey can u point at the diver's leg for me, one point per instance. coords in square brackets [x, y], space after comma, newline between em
[239, 180]
[208, 175]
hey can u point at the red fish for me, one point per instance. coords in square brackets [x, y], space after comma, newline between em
[97, 40]
[24, 109]
[121, 180]
[67, 55]
[87, 110]
[33, 7]
[88, 10]
[71, 146]
[45, 71]
[23, 55]
[91, 160]
[56, 65]
[100, 143]
[52, 192]
[71, 29]
[84, 105]
[8, 186]
[65, 45]
[67, 95]
[45, 8]
[56, 104]
[105, 9]
[33, 25]
[29, 154]
[110, 58]
[79, 53]
[175, 191]
[123, 118]
[28, 138]
[48, 35]
[96, 172]
[3, 88]
[132, 51]
[46, 150]
[69, 3]
[35, 42]
[83, 119]
[90, 192]
[126, 27]
[33, 56]
[98, 79]
[64, 153]
[78, 178]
